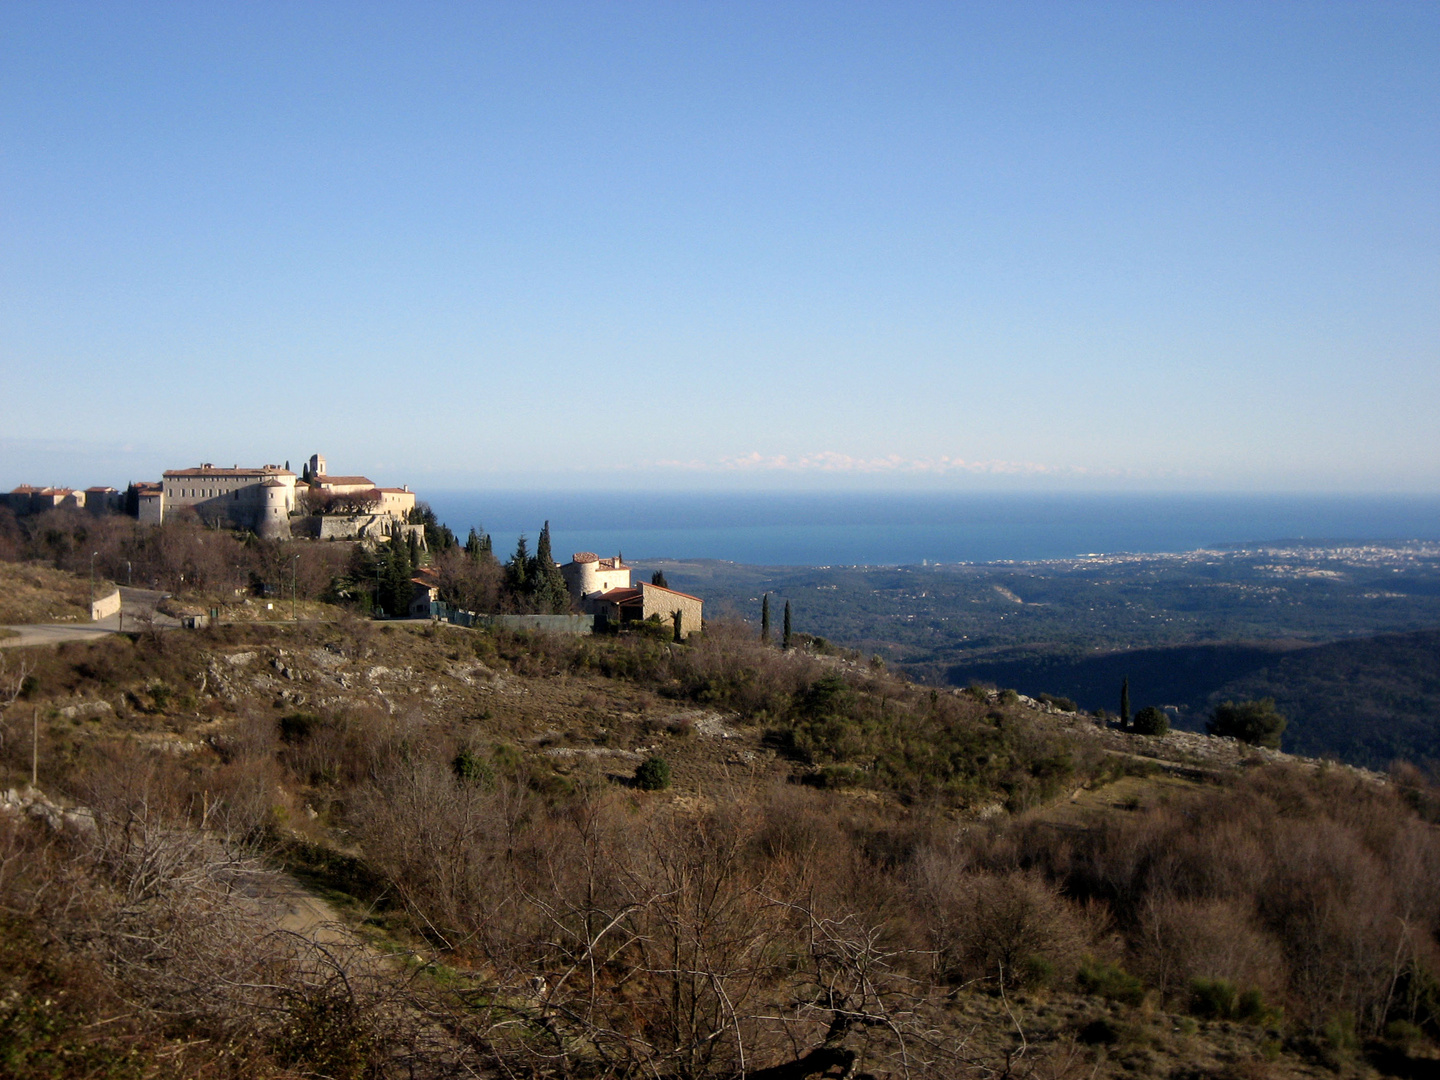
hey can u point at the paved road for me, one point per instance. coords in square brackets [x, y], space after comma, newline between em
[136, 605]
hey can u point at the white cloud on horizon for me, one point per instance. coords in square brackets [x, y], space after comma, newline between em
[830, 461]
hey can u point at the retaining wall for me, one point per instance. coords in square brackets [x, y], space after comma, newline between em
[550, 624]
[105, 606]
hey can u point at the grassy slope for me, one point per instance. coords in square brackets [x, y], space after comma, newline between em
[35, 593]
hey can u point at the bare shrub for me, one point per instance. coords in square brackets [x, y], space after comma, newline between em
[1010, 929]
[1182, 940]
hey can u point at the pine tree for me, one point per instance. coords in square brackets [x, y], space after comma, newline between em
[517, 570]
[765, 618]
[478, 546]
[1125, 702]
[785, 631]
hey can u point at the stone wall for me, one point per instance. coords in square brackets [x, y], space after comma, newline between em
[105, 606]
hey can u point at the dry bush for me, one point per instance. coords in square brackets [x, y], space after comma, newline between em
[1178, 941]
[1006, 929]
[1311, 884]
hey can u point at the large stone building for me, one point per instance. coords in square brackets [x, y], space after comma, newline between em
[260, 500]
[602, 588]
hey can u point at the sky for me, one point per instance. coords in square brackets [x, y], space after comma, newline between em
[696, 246]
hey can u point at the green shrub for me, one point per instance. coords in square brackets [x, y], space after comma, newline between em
[1111, 982]
[1221, 999]
[1255, 722]
[1064, 704]
[472, 768]
[1150, 721]
[839, 776]
[653, 774]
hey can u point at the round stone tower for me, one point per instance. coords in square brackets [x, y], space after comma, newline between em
[582, 573]
[274, 515]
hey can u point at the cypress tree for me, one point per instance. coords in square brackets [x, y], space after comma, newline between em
[678, 616]
[785, 631]
[551, 593]
[765, 618]
[658, 578]
[397, 577]
[1125, 702]
[413, 543]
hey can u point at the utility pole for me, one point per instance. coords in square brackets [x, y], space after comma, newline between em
[92, 580]
[294, 611]
[35, 750]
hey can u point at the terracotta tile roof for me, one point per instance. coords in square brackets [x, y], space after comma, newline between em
[26, 489]
[100, 489]
[211, 470]
[396, 491]
[346, 481]
[621, 596]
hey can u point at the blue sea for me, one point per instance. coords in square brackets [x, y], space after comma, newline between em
[777, 529]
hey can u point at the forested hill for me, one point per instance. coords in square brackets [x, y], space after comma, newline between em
[1367, 701]
[1342, 636]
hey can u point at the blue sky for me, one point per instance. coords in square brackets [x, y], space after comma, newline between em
[812, 246]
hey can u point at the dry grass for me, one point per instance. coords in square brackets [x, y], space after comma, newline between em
[727, 900]
[35, 593]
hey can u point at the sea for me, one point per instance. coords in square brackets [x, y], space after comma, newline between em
[880, 529]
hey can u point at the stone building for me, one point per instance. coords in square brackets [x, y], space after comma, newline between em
[260, 500]
[104, 500]
[640, 602]
[27, 499]
[602, 587]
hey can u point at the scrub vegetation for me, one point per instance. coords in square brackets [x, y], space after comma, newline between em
[846, 872]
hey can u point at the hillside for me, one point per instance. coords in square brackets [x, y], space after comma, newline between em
[1187, 630]
[1368, 701]
[35, 593]
[847, 872]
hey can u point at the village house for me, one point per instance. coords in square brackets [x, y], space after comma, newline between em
[27, 499]
[602, 588]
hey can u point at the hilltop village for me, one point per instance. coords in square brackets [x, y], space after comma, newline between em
[275, 504]
[265, 500]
